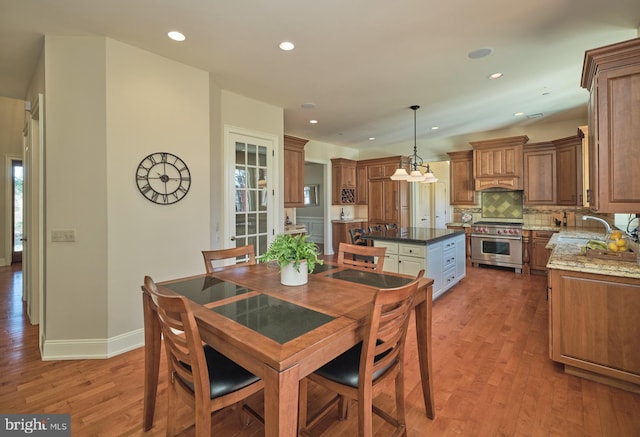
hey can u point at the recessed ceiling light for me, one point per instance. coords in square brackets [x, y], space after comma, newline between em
[372, 138]
[176, 36]
[308, 105]
[435, 128]
[495, 76]
[286, 46]
[480, 53]
[313, 121]
[536, 115]
[518, 114]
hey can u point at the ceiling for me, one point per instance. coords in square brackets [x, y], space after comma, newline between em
[362, 63]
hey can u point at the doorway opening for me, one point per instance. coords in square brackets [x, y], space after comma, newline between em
[17, 184]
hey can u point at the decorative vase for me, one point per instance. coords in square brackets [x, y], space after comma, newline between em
[291, 277]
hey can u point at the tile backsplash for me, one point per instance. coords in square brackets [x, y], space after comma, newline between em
[502, 204]
[543, 216]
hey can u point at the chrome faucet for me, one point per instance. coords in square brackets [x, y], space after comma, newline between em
[598, 219]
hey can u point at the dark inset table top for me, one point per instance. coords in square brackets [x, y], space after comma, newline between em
[373, 279]
[319, 268]
[206, 289]
[412, 235]
[274, 318]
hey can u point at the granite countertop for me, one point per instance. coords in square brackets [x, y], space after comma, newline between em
[294, 229]
[349, 220]
[525, 227]
[460, 224]
[566, 255]
[413, 235]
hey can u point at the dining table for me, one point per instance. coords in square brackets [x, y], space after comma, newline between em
[283, 333]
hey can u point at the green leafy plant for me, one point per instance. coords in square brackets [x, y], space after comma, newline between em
[287, 248]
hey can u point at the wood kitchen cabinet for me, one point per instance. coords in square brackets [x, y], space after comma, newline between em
[340, 230]
[343, 179]
[539, 254]
[388, 202]
[593, 326]
[497, 163]
[294, 176]
[362, 184]
[612, 76]
[461, 178]
[540, 174]
[569, 170]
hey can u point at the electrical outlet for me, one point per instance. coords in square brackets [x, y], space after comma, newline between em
[63, 236]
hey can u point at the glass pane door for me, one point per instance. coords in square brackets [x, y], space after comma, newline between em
[252, 194]
[17, 235]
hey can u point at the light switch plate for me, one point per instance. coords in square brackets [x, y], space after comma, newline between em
[63, 236]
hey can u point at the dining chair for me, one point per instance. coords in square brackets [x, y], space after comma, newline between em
[199, 375]
[356, 236]
[370, 257]
[380, 356]
[375, 228]
[391, 226]
[214, 259]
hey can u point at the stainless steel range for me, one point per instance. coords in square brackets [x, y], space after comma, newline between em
[497, 244]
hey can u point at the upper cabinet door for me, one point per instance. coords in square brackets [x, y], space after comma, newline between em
[540, 174]
[461, 178]
[612, 75]
[294, 171]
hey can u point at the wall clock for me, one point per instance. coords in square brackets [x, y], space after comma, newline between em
[163, 178]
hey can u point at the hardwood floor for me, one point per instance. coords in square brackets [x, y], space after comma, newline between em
[493, 376]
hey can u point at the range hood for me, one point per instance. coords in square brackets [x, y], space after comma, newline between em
[498, 163]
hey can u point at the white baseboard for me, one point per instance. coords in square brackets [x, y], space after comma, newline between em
[93, 348]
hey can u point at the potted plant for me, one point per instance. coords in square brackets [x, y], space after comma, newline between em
[296, 256]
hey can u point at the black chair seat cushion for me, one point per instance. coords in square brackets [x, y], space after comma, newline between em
[225, 376]
[344, 368]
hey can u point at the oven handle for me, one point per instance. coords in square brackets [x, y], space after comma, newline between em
[495, 237]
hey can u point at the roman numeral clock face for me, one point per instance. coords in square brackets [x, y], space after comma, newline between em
[163, 178]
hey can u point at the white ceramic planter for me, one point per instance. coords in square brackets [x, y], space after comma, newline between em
[290, 276]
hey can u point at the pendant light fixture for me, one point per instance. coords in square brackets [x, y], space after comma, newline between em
[414, 161]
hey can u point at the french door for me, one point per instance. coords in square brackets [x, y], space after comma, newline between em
[251, 208]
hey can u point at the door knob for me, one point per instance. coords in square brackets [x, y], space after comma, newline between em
[233, 238]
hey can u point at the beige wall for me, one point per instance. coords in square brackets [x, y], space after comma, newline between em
[76, 274]
[11, 122]
[153, 105]
[108, 105]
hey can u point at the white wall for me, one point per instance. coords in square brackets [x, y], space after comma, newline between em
[108, 105]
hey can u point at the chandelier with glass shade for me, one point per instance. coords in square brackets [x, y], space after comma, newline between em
[415, 162]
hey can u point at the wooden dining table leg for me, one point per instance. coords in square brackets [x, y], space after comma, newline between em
[281, 402]
[152, 340]
[423, 334]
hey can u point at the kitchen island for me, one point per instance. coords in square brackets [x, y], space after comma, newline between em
[440, 252]
[594, 329]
